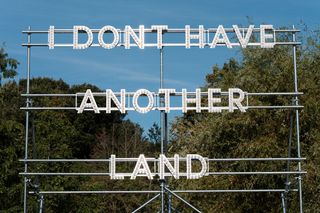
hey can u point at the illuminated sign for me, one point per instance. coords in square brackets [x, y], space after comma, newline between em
[264, 36]
[142, 168]
[199, 101]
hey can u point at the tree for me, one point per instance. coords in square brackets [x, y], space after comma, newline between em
[154, 134]
[8, 66]
[11, 149]
[262, 133]
[67, 135]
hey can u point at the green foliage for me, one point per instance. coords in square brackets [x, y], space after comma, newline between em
[256, 133]
[8, 66]
[154, 133]
[11, 148]
[68, 135]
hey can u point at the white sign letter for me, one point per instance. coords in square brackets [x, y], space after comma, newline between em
[128, 31]
[243, 41]
[190, 174]
[160, 29]
[76, 30]
[264, 36]
[145, 170]
[113, 175]
[217, 39]
[115, 33]
[167, 93]
[135, 98]
[51, 37]
[164, 161]
[236, 101]
[190, 36]
[111, 96]
[212, 100]
[85, 104]
[186, 100]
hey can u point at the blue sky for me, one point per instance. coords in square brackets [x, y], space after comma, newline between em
[134, 69]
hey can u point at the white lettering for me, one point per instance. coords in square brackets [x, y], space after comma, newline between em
[199, 36]
[193, 175]
[136, 96]
[120, 105]
[112, 167]
[116, 37]
[160, 29]
[165, 162]
[236, 101]
[76, 44]
[186, 100]
[218, 40]
[85, 105]
[167, 93]
[243, 40]
[129, 32]
[264, 36]
[143, 171]
[51, 37]
[212, 100]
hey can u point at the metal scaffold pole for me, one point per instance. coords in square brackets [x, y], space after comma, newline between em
[297, 121]
[25, 193]
[163, 125]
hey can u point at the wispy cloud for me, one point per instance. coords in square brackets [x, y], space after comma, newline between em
[98, 68]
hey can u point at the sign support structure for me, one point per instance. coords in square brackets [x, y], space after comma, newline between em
[28, 101]
[297, 121]
[166, 194]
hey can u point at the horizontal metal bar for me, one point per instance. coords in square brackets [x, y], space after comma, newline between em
[95, 192]
[129, 174]
[156, 108]
[257, 173]
[87, 160]
[288, 43]
[256, 159]
[170, 30]
[65, 173]
[171, 94]
[154, 192]
[48, 108]
[49, 95]
[154, 159]
[276, 107]
[232, 190]
[34, 44]
[274, 93]
[155, 45]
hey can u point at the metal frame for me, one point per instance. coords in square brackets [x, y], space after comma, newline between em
[164, 192]
[207, 32]
[159, 104]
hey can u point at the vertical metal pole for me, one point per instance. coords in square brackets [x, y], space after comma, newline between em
[27, 126]
[164, 135]
[162, 124]
[297, 120]
[162, 196]
[287, 183]
[162, 102]
[41, 204]
[169, 202]
[283, 203]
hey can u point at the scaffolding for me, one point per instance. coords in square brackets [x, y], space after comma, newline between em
[165, 193]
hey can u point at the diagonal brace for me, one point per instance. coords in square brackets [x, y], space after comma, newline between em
[146, 203]
[180, 198]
